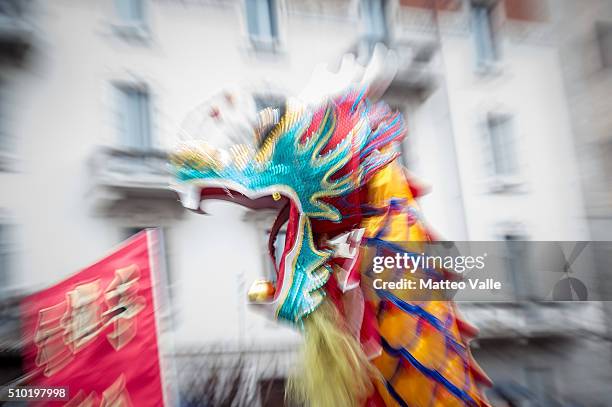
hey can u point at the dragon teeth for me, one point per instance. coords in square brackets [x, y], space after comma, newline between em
[189, 195]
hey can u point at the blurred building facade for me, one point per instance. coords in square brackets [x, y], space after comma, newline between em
[585, 38]
[93, 93]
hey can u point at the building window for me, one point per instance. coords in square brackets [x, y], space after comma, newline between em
[541, 384]
[6, 147]
[502, 145]
[5, 255]
[130, 12]
[484, 34]
[605, 157]
[374, 19]
[262, 22]
[134, 118]
[604, 41]
[515, 256]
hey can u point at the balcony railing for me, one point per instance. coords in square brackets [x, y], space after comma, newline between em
[415, 69]
[122, 177]
[528, 320]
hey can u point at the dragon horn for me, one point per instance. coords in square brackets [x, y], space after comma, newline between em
[375, 77]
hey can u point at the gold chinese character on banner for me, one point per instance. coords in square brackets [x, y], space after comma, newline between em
[116, 395]
[53, 353]
[82, 321]
[124, 304]
[83, 400]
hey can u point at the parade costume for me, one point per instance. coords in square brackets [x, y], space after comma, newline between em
[331, 170]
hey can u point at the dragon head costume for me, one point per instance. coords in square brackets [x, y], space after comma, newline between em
[330, 169]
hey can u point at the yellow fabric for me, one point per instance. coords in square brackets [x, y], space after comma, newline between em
[390, 182]
[400, 329]
[334, 370]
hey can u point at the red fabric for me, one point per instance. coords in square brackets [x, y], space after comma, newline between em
[334, 293]
[292, 229]
[345, 122]
[315, 123]
[375, 400]
[79, 333]
[370, 338]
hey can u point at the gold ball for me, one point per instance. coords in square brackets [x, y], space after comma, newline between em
[261, 291]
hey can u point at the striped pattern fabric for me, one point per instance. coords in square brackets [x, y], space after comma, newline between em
[424, 358]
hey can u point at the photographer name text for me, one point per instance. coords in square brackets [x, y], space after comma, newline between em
[405, 284]
[413, 262]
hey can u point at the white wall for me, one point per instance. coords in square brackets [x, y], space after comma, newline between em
[548, 204]
[62, 109]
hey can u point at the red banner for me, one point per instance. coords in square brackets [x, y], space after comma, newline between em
[96, 332]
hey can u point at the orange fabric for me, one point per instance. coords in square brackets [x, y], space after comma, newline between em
[434, 349]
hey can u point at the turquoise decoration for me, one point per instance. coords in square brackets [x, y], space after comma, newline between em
[309, 276]
[301, 157]
[296, 165]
